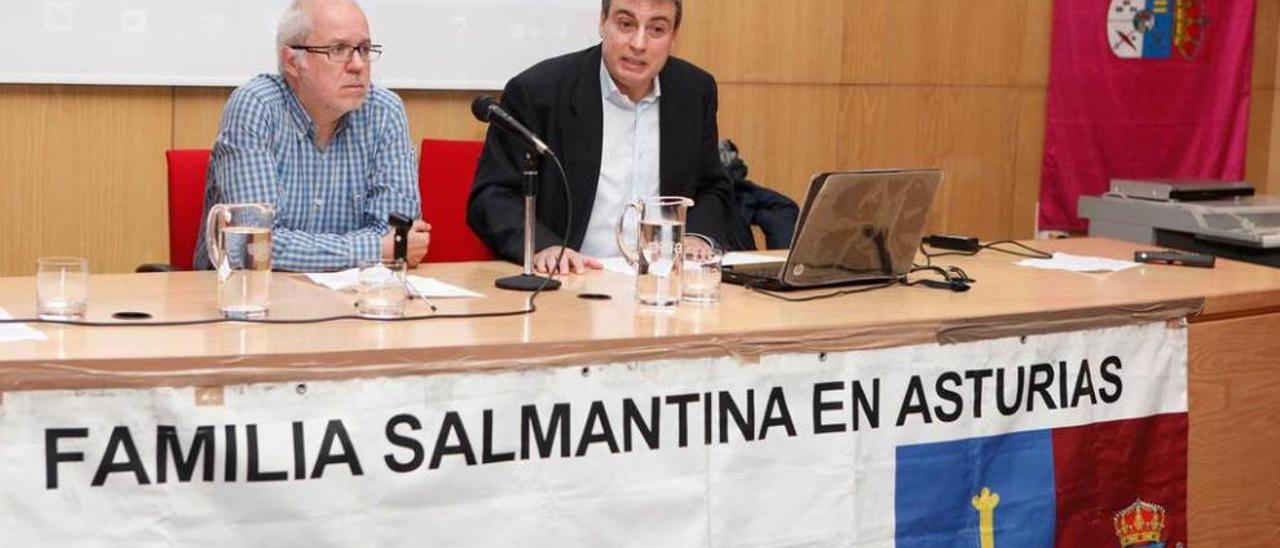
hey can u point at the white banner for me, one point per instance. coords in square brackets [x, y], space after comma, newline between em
[796, 450]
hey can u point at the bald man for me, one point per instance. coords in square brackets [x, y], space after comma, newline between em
[323, 145]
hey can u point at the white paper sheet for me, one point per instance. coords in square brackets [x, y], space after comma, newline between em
[423, 286]
[14, 332]
[436, 289]
[1078, 263]
[619, 264]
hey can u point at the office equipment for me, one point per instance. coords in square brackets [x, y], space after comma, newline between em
[1245, 227]
[858, 226]
[1174, 257]
[1180, 191]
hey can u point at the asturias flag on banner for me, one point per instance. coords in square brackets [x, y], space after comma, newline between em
[1143, 89]
[1120, 483]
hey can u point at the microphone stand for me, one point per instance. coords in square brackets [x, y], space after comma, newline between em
[528, 281]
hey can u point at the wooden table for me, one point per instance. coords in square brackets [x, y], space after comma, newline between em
[1234, 342]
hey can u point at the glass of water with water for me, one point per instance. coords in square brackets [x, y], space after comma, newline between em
[380, 289]
[702, 261]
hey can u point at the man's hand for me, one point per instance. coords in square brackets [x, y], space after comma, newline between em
[544, 261]
[419, 240]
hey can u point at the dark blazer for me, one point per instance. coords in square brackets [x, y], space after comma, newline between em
[559, 99]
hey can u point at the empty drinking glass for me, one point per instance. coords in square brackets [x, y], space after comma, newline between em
[62, 287]
[380, 290]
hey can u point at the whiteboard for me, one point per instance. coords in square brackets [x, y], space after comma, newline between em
[428, 44]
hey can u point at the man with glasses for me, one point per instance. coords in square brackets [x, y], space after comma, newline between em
[628, 120]
[329, 150]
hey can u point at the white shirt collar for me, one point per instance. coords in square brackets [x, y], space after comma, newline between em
[610, 91]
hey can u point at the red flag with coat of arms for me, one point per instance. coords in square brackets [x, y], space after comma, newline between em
[1144, 89]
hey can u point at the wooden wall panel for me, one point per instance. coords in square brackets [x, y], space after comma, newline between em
[1233, 477]
[1263, 155]
[869, 33]
[82, 173]
[1266, 41]
[986, 42]
[1270, 182]
[1261, 152]
[764, 40]
[196, 114]
[783, 147]
[1028, 162]
[970, 133]
[1032, 68]
[443, 115]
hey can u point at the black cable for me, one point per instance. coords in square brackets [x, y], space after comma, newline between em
[303, 321]
[568, 222]
[1032, 253]
[953, 278]
[834, 294]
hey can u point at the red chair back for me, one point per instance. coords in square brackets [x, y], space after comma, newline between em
[445, 170]
[187, 170]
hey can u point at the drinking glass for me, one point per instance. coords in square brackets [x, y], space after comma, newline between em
[62, 287]
[380, 289]
[702, 259]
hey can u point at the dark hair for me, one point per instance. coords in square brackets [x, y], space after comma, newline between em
[604, 10]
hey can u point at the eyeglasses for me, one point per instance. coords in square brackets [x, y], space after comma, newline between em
[342, 53]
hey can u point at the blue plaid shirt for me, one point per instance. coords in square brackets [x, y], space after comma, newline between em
[332, 204]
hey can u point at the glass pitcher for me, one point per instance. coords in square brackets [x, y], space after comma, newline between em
[658, 252]
[238, 238]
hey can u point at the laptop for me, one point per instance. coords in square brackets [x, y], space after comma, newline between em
[855, 227]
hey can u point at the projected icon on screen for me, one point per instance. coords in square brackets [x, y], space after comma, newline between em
[59, 17]
[133, 21]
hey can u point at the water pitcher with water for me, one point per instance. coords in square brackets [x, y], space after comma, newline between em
[657, 252]
[239, 244]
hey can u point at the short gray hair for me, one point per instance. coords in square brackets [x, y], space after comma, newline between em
[294, 27]
[604, 10]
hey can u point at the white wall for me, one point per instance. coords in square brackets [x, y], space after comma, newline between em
[429, 44]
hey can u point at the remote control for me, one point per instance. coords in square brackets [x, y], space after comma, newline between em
[1178, 258]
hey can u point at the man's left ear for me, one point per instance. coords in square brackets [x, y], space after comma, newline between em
[288, 63]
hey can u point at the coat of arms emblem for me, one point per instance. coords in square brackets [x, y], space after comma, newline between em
[1155, 29]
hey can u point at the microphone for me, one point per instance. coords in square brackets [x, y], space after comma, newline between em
[487, 110]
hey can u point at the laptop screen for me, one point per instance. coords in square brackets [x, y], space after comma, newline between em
[863, 224]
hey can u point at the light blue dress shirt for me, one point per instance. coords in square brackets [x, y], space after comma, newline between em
[629, 163]
[331, 204]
